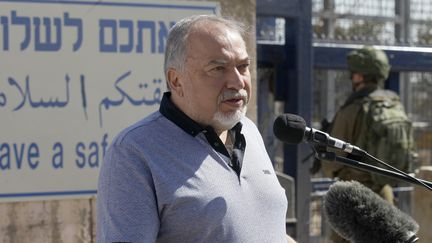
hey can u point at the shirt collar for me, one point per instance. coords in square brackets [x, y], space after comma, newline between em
[178, 117]
[360, 94]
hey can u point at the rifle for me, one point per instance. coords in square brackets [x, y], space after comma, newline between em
[316, 166]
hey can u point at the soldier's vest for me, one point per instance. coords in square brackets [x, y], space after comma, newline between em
[387, 133]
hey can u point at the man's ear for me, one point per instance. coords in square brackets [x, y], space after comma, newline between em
[174, 82]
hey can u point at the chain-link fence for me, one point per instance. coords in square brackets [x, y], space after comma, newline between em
[378, 22]
[374, 22]
[388, 22]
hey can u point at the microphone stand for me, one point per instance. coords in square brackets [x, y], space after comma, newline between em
[331, 156]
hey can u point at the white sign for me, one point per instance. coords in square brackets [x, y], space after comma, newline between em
[72, 75]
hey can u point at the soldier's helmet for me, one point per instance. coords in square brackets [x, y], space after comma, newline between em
[370, 62]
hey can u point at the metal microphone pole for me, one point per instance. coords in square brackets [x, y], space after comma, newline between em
[331, 156]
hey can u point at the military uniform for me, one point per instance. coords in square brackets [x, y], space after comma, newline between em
[347, 126]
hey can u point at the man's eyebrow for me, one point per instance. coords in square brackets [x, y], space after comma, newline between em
[247, 59]
[217, 62]
[224, 62]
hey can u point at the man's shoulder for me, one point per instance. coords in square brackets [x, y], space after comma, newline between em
[352, 108]
[346, 117]
[383, 94]
[143, 127]
[379, 95]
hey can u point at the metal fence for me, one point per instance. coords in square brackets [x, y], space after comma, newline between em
[406, 23]
[378, 22]
[388, 22]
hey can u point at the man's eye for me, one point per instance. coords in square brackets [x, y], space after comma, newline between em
[243, 67]
[219, 68]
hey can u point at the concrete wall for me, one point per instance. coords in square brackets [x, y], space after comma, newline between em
[74, 220]
[48, 221]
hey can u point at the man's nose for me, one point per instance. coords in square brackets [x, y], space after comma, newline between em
[235, 80]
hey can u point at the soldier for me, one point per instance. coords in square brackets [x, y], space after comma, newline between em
[360, 121]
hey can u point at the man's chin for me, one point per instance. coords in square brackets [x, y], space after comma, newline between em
[224, 126]
[226, 121]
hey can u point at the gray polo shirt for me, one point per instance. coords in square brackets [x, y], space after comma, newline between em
[160, 184]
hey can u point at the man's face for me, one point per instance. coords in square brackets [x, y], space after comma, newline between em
[357, 80]
[216, 79]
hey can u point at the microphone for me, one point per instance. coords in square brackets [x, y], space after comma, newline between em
[359, 215]
[292, 129]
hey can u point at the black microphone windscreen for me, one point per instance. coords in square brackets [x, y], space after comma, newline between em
[289, 128]
[360, 215]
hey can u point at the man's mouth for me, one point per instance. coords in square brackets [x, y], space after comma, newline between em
[235, 101]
